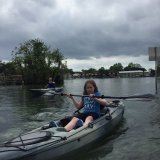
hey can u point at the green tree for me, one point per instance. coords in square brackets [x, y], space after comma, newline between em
[59, 68]
[116, 68]
[8, 68]
[103, 72]
[90, 72]
[35, 60]
[58, 58]
[2, 67]
[133, 66]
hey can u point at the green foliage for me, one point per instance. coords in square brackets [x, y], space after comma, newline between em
[36, 61]
[8, 68]
[134, 66]
[102, 71]
[116, 68]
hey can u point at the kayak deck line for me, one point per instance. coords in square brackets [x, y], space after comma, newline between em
[22, 141]
[23, 146]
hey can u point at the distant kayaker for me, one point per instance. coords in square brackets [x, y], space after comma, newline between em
[51, 83]
[90, 104]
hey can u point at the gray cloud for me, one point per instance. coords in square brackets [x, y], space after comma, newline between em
[81, 29]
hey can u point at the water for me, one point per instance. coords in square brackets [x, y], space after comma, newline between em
[138, 136]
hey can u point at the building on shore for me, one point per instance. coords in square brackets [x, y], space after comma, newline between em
[132, 74]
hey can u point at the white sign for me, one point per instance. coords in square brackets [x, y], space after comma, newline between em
[154, 53]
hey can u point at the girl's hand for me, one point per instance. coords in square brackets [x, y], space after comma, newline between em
[92, 96]
[69, 96]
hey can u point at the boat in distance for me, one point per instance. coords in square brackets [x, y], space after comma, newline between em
[52, 142]
[46, 91]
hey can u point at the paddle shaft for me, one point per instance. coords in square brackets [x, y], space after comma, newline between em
[146, 96]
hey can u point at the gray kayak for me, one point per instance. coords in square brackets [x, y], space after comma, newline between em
[52, 142]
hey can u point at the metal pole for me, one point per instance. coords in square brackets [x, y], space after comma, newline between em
[155, 51]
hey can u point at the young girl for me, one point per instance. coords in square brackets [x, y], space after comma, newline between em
[90, 104]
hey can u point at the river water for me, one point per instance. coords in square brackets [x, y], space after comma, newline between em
[137, 138]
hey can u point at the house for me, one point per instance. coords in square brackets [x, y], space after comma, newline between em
[135, 73]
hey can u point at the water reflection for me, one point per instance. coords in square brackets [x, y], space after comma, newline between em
[20, 111]
[155, 116]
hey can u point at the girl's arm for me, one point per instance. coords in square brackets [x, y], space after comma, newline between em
[78, 105]
[102, 101]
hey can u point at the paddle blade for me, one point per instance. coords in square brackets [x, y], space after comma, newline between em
[148, 95]
[140, 96]
[139, 99]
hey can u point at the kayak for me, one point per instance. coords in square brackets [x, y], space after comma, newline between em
[46, 91]
[51, 141]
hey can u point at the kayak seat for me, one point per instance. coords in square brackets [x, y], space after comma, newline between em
[104, 111]
[63, 122]
[115, 103]
[50, 125]
[53, 124]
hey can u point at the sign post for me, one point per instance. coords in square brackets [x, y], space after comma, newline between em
[154, 55]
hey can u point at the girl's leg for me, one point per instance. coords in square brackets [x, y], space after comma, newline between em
[71, 124]
[88, 119]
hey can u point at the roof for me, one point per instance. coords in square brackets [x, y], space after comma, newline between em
[135, 71]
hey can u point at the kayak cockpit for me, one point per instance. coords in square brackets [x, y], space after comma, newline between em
[105, 111]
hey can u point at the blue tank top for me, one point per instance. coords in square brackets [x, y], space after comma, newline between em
[91, 105]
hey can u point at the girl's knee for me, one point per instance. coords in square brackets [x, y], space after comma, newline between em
[75, 119]
[88, 119]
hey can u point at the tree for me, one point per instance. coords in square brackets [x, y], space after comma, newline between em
[36, 60]
[116, 68]
[134, 66]
[2, 67]
[103, 72]
[58, 58]
[8, 68]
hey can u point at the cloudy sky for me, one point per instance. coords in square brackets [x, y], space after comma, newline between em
[89, 33]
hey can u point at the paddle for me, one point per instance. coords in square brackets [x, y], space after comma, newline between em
[136, 97]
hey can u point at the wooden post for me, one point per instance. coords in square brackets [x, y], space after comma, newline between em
[156, 61]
